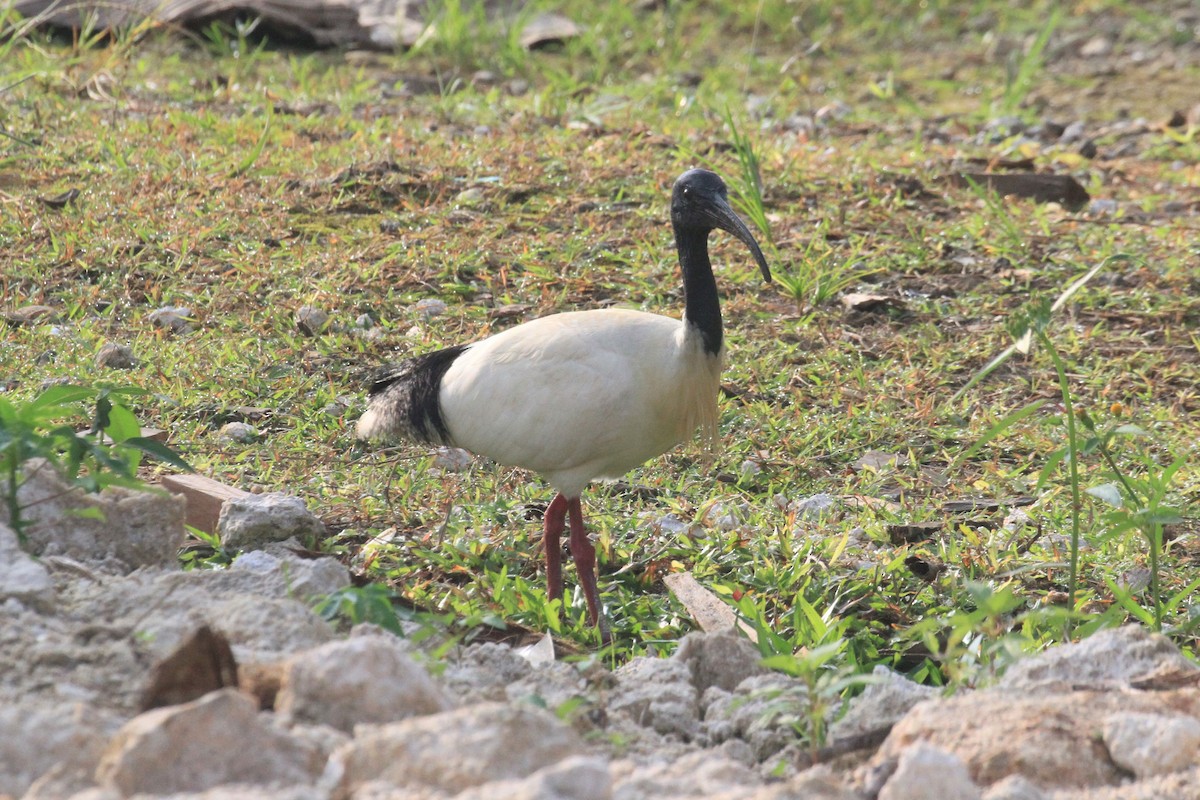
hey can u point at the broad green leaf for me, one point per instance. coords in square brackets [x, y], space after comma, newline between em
[158, 450]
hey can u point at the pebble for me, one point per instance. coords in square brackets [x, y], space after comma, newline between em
[238, 432]
[177, 319]
[115, 356]
[310, 320]
[451, 459]
[430, 307]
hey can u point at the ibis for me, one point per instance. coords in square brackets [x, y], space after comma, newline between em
[578, 396]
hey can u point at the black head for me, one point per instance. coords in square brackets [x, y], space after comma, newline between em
[700, 202]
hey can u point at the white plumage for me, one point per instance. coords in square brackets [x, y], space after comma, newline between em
[581, 395]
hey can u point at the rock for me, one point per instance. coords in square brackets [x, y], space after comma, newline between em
[925, 772]
[814, 507]
[486, 742]
[574, 778]
[658, 694]
[722, 659]
[884, 701]
[1096, 47]
[250, 522]
[368, 679]
[451, 459]
[696, 775]
[176, 319]
[1152, 744]
[289, 575]
[1176, 786]
[1115, 656]
[429, 307]
[1014, 787]
[311, 321]
[763, 712]
[21, 577]
[43, 735]
[115, 356]
[119, 529]
[218, 739]
[239, 432]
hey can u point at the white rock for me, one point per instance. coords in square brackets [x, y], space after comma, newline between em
[120, 529]
[575, 778]
[249, 522]
[455, 750]
[429, 307]
[38, 736]
[239, 432]
[218, 739]
[1152, 744]
[311, 320]
[723, 659]
[1114, 656]
[925, 772]
[21, 577]
[1014, 787]
[814, 507]
[762, 713]
[367, 679]
[700, 774]
[115, 356]
[291, 576]
[177, 319]
[658, 694]
[451, 459]
[884, 701]
[749, 468]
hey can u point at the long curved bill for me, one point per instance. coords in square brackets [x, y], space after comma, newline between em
[725, 218]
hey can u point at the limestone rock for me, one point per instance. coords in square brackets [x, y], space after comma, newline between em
[119, 528]
[249, 522]
[1152, 744]
[925, 772]
[21, 577]
[1118, 655]
[762, 712]
[368, 679]
[1176, 786]
[115, 356]
[696, 775]
[38, 736]
[722, 659]
[658, 694]
[1014, 787]
[574, 778]
[216, 740]
[489, 742]
[289, 575]
[881, 704]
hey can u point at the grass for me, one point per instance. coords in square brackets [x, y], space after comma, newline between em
[244, 182]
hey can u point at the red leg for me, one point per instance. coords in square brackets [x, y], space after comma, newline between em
[553, 522]
[584, 554]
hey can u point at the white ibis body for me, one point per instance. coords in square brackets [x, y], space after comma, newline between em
[582, 395]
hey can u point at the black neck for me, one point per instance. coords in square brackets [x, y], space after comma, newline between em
[702, 308]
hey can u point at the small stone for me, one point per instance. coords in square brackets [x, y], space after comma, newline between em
[239, 432]
[311, 320]
[364, 321]
[249, 522]
[749, 468]
[924, 771]
[366, 679]
[218, 739]
[814, 507]
[21, 577]
[884, 701]
[1014, 787]
[452, 459]
[469, 197]
[1152, 744]
[115, 356]
[1096, 47]
[1103, 207]
[429, 307]
[176, 319]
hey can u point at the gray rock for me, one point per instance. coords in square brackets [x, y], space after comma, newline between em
[288, 575]
[118, 529]
[177, 319]
[1116, 656]
[239, 432]
[1152, 744]
[310, 320]
[697, 775]
[1014, 787]
[44, 735]
[218, 739]
[924, 772]
[763, 712]
[574, 778]
[252, 521]
[21, 577]
[658, 694]
[367, 679]
[488, 742]
[815, 507]
[429, 307]
[722, 659]
[115, 356]
[884, 701]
